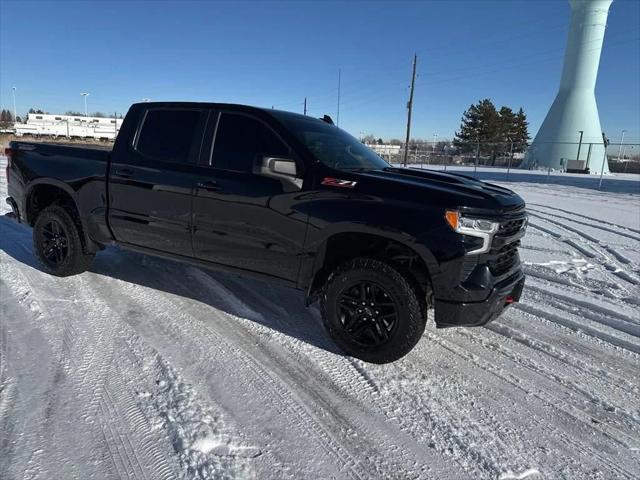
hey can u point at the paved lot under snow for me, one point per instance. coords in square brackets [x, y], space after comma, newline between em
[149, 369]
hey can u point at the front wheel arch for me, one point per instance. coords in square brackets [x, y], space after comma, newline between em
[398, 288]
[342, 247]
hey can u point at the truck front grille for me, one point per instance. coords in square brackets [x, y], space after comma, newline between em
[511, 227]
[504, 259]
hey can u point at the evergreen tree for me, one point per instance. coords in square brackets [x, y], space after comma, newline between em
[506, 131]
[3, 116]
[493, 130]
[521, 131]
[480, 126]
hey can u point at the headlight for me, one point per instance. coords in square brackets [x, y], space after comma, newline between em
[474, 227]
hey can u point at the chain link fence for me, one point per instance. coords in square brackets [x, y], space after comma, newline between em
[622, 158]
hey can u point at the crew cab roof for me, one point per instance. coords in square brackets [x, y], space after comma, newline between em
[225, 106]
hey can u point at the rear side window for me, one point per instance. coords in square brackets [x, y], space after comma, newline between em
[240, 140]
[168, 135]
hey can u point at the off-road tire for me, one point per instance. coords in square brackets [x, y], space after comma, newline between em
[76, 259]
[410, 301]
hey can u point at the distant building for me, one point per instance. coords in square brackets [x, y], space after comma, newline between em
[384, 149]
[70, 126]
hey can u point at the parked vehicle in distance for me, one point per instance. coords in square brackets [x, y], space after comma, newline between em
[285, 197]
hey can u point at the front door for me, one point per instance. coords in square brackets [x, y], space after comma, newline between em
[242, 219]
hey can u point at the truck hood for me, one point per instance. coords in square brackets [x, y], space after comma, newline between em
[452, 189]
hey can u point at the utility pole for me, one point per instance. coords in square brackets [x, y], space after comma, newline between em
[338, 115]
[305, 105]
[409, 107]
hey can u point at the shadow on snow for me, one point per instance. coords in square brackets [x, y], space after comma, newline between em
[274, 306]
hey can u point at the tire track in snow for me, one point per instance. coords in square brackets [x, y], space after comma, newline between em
[473, 356]
[599, 288]
[89, 351]
[339, 370]
[594, 245]
[351, 376]
[234, 359]
[615, 382]
[565, 381]
[603, 315]
[581, 327]
[596, 220]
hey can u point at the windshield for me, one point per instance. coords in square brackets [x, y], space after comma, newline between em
[332, 146]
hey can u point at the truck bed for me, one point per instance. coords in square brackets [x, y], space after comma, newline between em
[67, 149]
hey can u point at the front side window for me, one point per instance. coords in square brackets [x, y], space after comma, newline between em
[240, 140]
[332, 146]
[168, 135]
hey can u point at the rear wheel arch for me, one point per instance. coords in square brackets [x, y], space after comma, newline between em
[57, 242]
[46, 193]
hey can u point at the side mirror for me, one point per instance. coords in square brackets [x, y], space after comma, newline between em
[284, 169]
[282, 166]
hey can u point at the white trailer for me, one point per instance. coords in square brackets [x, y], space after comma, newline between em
[70, 126]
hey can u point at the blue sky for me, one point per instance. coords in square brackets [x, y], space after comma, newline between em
[276, 53]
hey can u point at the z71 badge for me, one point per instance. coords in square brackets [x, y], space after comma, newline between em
[336, 182]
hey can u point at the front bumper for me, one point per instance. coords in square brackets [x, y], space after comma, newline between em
[473, 314]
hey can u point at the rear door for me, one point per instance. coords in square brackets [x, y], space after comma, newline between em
[241, 219]
[152, 185]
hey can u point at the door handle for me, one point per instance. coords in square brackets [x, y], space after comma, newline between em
[209, 185]
[124, 172]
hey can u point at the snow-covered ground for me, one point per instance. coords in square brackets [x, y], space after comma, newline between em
[149, 369]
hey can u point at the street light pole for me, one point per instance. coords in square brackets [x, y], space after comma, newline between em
[85, 95]
[15, 115]
[581, 132]
[620, 146]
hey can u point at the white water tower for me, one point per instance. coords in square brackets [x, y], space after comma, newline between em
[571, 130]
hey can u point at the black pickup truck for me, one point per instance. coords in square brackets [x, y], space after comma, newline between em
[285, 197]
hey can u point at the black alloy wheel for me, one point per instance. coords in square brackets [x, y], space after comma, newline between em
[55, 243]
[374, 310]
[367, 313]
